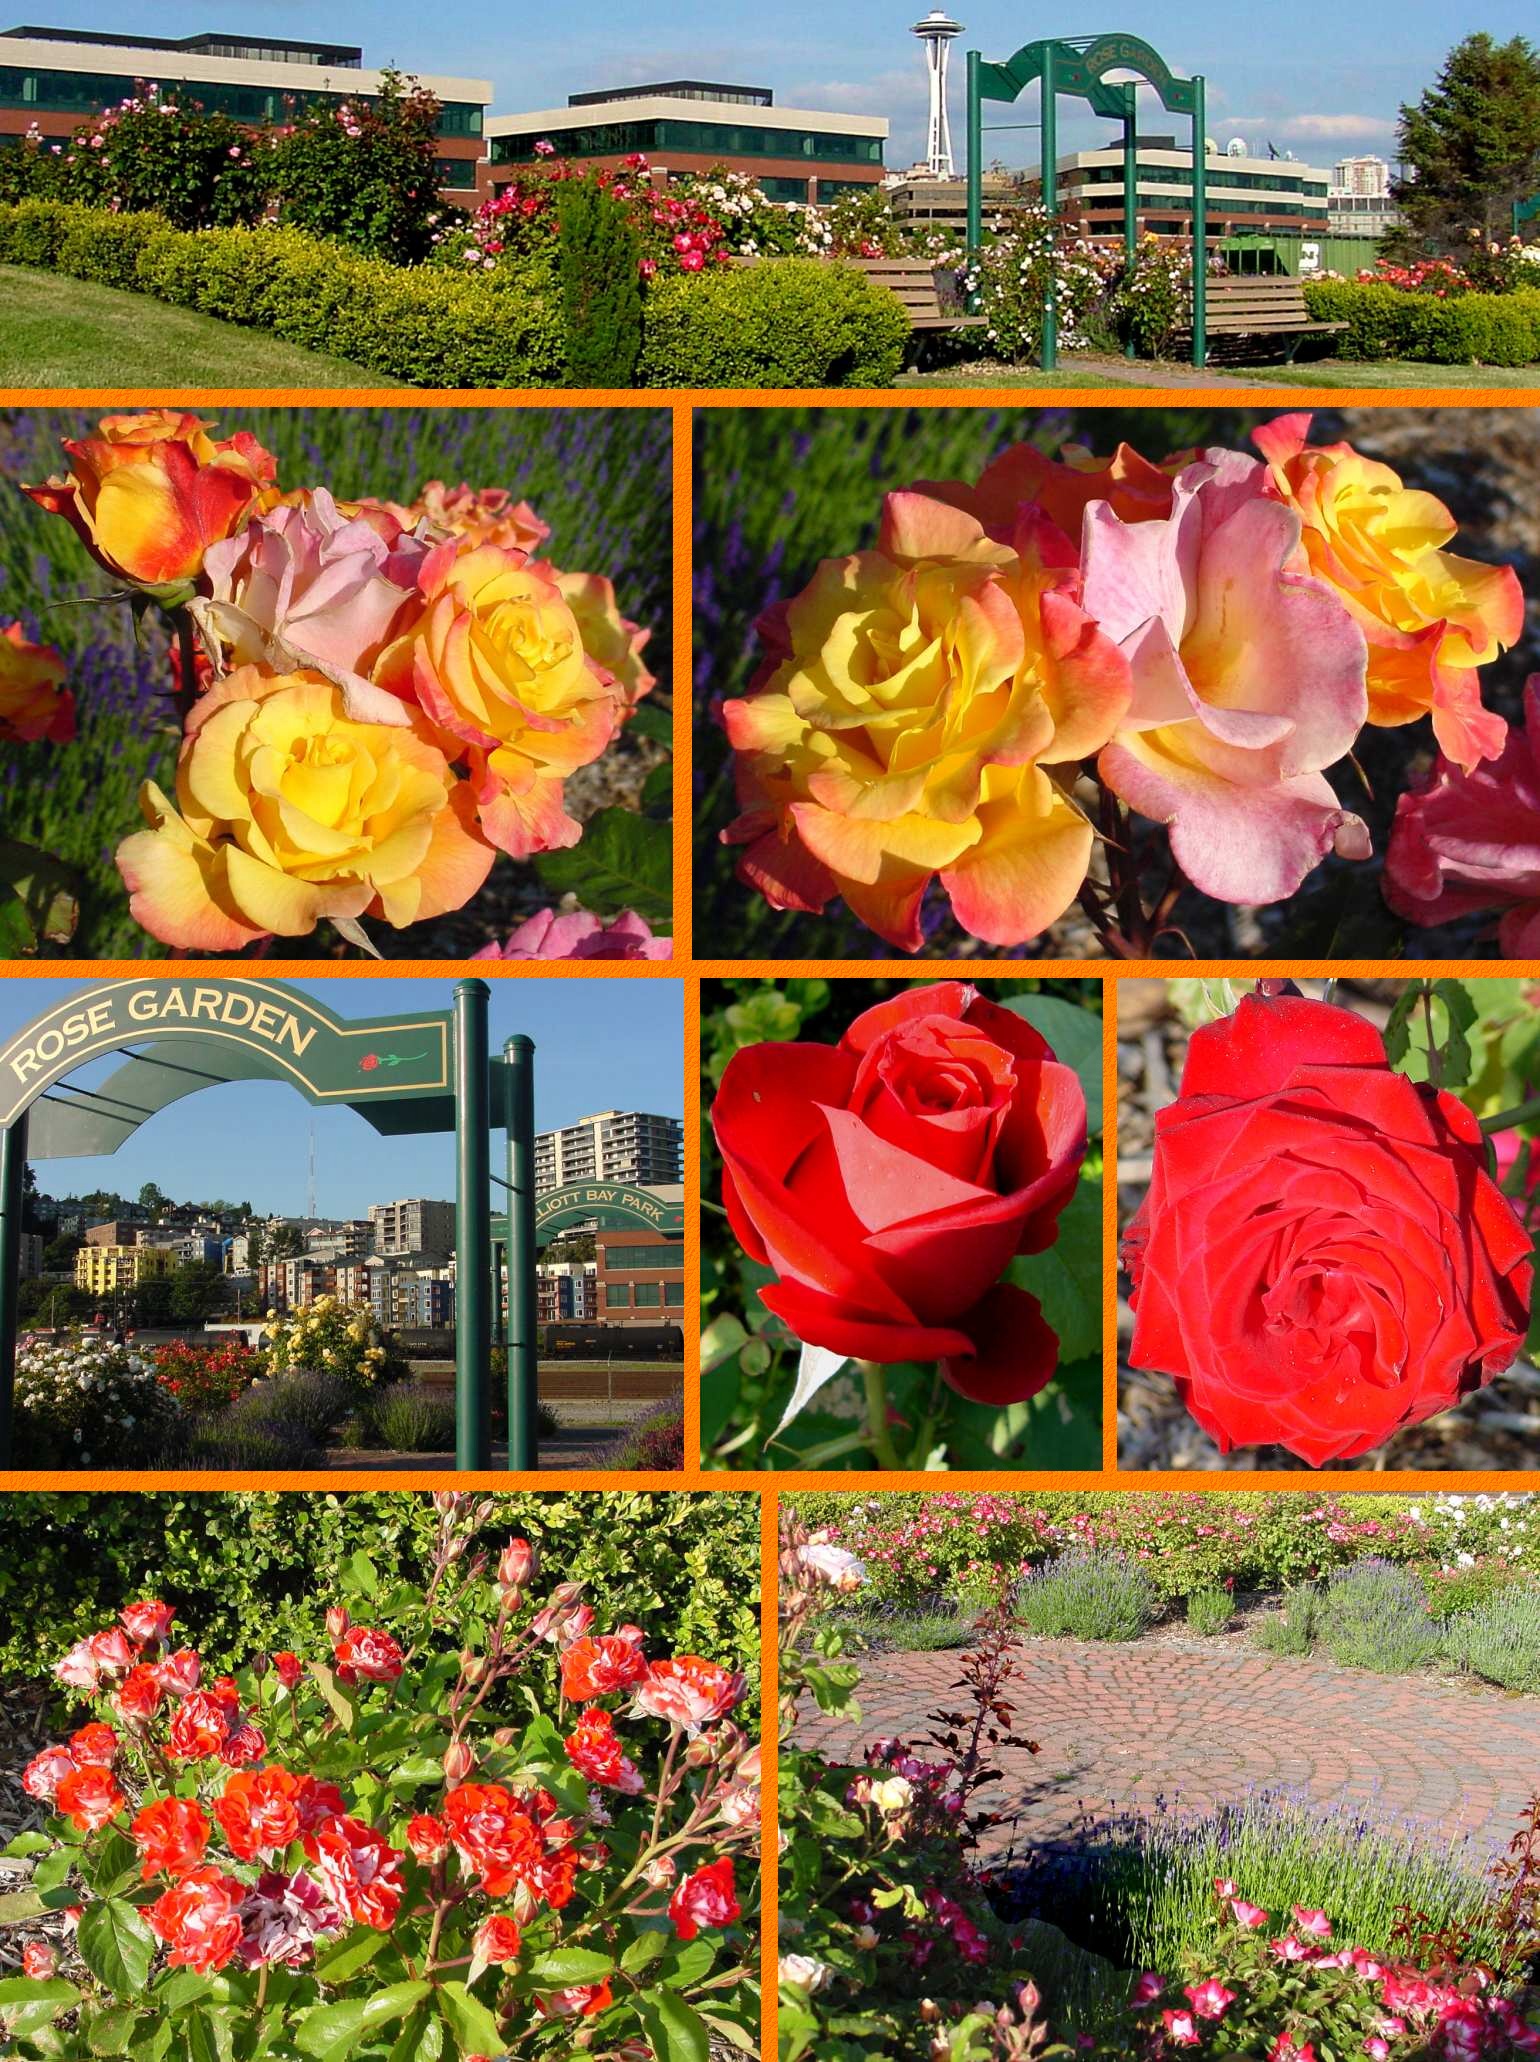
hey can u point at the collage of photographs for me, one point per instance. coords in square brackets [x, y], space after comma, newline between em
[769, 1035]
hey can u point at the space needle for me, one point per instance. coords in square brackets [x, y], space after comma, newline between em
[936, 32]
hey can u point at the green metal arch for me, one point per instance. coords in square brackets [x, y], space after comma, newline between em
[1079, 68]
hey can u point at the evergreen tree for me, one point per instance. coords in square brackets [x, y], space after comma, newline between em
[601, 286]
[1472, 143]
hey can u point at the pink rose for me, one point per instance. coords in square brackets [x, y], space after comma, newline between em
[577, 935]
[1248, 680]
[148, 1621]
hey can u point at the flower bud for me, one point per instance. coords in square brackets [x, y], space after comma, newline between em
[699, 1753]
[866, 1938]
[661, 1871]
[337, 1622]
[39, 1960]
[443, 1501]
[930, 2011]
[260, 1665]
[526, 1904]
[458, 1761]
[516, 1565]
[504, 1736]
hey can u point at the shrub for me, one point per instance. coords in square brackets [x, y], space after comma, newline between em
[420, 325]
[1293, 1629]
[263, 1565]
[340, 1339]
[85, 1403]
[364, 171]
[315, 1401]
[1468, 329]
[1500, 1639]
[1209, 1610]
[655, 1441]
[1087, 1596]
[201, 1375]
[164, 151]
[243, 1442]
[793, 322]
[601, 288]
[409, 1417]
[1376, 1616]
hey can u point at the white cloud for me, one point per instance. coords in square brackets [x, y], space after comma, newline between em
[1325, 128]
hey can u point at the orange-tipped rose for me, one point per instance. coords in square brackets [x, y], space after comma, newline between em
[610, 639]
[288, 811]
[150, 493]
[1430, 618]
[34, 702]
[496, 661]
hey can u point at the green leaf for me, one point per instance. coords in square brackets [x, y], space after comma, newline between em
[26, 1844]
[1460, 1009]
[155, 2045]
[348, 1955]
[1398, 1025]
[676, 2030]
[333, 2031]
[340, 1704]
[658, 787]
[183, 1987]
[33, 1990]
[416, 1770]
[19, 1905]
[652, 720]
[39, 900]
[111, 2033]
[359, 1574]
[54, 1869]
[644, 1949]
[474, 2030]
[561, 1966]
[1067, 1278]
[116, 1945]
[1076, 1038]
[420, 2040]
[622, 861]
[721, 1339]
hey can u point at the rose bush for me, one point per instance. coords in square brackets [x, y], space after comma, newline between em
[85, 1402]
[1377, 1277]
[889, 1180]
[204, 1377]
[392, 1846]
[336, 1338]
[375, 697]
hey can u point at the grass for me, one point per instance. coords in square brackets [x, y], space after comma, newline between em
[1015, 376]
[1397, 372]
[61, 332]
[1313, 372]
[599, 477]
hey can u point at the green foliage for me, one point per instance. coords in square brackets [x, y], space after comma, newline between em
[1087, 1596]
[622, 861]
[364, 172]
[793, 323]
[164, 151]
[1209, 1610]
[601, 288]
[424, 326]
[1384, 322]
[260, 1567]
[1500, 1639]
[409, 1417]
[1471, 144]
[1292, 1630]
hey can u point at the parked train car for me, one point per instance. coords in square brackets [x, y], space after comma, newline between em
[569, 1339]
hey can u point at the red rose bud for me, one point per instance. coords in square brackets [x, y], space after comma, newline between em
[427, 1839]
[337, 1622]
[289, 1668]
[516, 1566]
[39, 1960]
[1322, 1257]
[889, 1182]
[260, 1664]
[458, 1761]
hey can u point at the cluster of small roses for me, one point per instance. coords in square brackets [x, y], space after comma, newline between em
[1491, 265]
[83, 1398]
[331, 1337]
[203, 1377]
[1435, 276]
[1387, 2007]
[679, 231]
[377, 697]
[1209, 632]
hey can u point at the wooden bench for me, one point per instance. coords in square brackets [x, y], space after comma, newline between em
[913, 282]
[1260, 304]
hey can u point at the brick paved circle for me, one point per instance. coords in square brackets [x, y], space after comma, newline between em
[1128, 1727]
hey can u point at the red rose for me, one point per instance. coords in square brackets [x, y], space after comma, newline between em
[96, 1743]
[200, 1728]
[495, 1836]
[593, 1668]
[890, 1180]
[596, 1753]
[171, 1835]
[364, 1654]
[89, 1797]
[368, 1063]
[148, 1621]
[199, 1919]
[427, 1839]
[705, 1898]
[259, 1812]
[359, 1870]
[1322, 1257]
[497, 1940]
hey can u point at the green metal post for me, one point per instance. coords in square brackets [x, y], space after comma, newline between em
[473, 1228]
[1199, 224]
[1049, 357]
[975, 167]
[1130, 188]
[523, 1288]
[499, 1321]
[13, 1168]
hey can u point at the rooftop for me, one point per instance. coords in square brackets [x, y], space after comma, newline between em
[210, 43]
[678, 89]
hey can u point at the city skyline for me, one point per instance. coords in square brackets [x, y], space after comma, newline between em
[262, 1129]
[1333, 90]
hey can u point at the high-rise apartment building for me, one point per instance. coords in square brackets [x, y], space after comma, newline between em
[631, 1146]
[415, 1225]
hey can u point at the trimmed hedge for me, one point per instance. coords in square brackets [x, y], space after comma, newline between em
[793, 322]
[256, 1569]
[1470, 329]
[430, 328]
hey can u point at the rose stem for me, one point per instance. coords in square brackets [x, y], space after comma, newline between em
[1435, 1058]
[881, 1439]
[187, 647]
[1521, 1113]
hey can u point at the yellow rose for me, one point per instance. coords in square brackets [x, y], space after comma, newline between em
[496, 660]
[288, 810]
[609, 638]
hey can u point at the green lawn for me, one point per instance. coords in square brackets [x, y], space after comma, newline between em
[60, 332]
[1396, 372]
[1317, 372]
[1017, 376]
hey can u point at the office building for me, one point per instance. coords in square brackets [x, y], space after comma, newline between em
[633, 1147]
[639, 1277]
[54, 79]
[31, 1255]
[1245, 194]
[686, 125]
[415, 1225]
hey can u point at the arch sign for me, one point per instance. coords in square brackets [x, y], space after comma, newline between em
[615, 1207]
[424, 1072]
[1080, 66]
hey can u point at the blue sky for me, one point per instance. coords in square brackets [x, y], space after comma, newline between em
[1318, 78]
[599, 1045]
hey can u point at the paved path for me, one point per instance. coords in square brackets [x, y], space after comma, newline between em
[1140, 372]
[1124, 1726]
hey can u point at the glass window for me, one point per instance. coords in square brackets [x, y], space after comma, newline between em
[673, 1295]
[701, 139]
[617, 1296]
[649, 1295]
[86, 93]
[457, 172]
